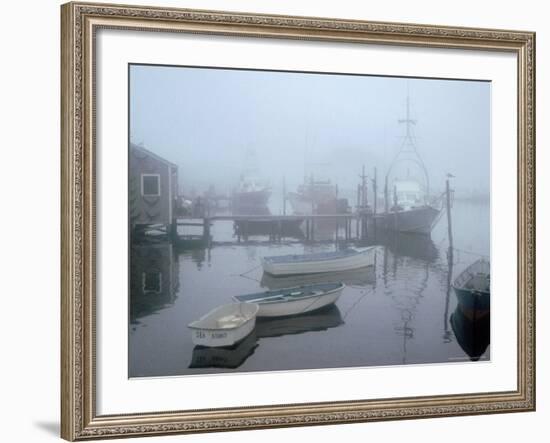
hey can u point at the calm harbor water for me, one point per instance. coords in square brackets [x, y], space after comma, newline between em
[400, 311]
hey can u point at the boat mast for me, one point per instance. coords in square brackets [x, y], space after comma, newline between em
[408, 145]
[408, 152]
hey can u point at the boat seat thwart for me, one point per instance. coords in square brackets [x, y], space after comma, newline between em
[479, 282]
[231, 321]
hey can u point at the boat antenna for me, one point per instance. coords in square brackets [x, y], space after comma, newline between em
[409, 142]
[409, 146]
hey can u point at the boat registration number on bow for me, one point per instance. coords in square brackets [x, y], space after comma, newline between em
[219, 334]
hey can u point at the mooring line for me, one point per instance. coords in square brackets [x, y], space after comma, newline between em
[471, 253]
[246, 272]
[357, 302]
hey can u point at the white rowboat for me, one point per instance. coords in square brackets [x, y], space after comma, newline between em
[293, 301]
[319, 262]
[224, 325]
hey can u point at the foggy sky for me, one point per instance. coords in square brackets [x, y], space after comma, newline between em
[204, 120]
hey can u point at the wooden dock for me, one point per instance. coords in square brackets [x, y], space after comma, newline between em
[275, 226]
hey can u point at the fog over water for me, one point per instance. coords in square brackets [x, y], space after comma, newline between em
[205, 120]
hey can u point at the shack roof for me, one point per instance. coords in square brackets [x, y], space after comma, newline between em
[133, 146]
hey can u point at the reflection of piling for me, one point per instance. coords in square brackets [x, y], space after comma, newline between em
[450, 258]
[446, 332]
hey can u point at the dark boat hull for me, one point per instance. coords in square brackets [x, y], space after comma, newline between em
[473, 300]
[413, 221]
[472, 329]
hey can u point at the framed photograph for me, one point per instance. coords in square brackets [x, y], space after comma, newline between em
[282, 221]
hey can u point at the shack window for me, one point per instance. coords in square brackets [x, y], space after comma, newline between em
[150, 185]
[152, 282]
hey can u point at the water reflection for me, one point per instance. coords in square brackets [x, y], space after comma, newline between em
[154, 279]
[229, 357]
[320, 320]
[234, 356]
[401, 311]
[406, 287]
[420, 247]
[357, 277]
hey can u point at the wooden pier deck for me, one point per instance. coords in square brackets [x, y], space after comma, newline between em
[276, 225]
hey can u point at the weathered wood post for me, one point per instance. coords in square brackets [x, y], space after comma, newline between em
[386, 196]
[284, 195]
[375, 198]
[173, 232]
[449, 218]
[395, 208]
[357, 209]
[206, 229]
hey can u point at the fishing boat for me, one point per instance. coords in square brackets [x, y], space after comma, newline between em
[407, 180]
[346, 259]
[293, 301]
[473, 286]
[314, 196]
[472, 329]
[252, 194]
[224, 325]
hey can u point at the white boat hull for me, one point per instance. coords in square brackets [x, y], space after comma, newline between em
[298, 306]
[205, 333]
[363, 259]
[217, 338]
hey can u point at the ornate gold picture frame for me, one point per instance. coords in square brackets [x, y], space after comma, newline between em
[80, 23]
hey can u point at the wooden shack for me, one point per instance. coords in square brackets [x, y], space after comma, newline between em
[153, 185]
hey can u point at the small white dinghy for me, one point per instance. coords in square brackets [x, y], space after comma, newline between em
[319, 262]
[225, 325]
[293, 301]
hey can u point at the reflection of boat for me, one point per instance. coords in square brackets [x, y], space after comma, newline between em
[471, 328]
[415, 246]
[320, 320]
[473, 286]
[292, 301]
[224, 325]
[357, 277]
[230, 357]
[412, 210]
[342, 260]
